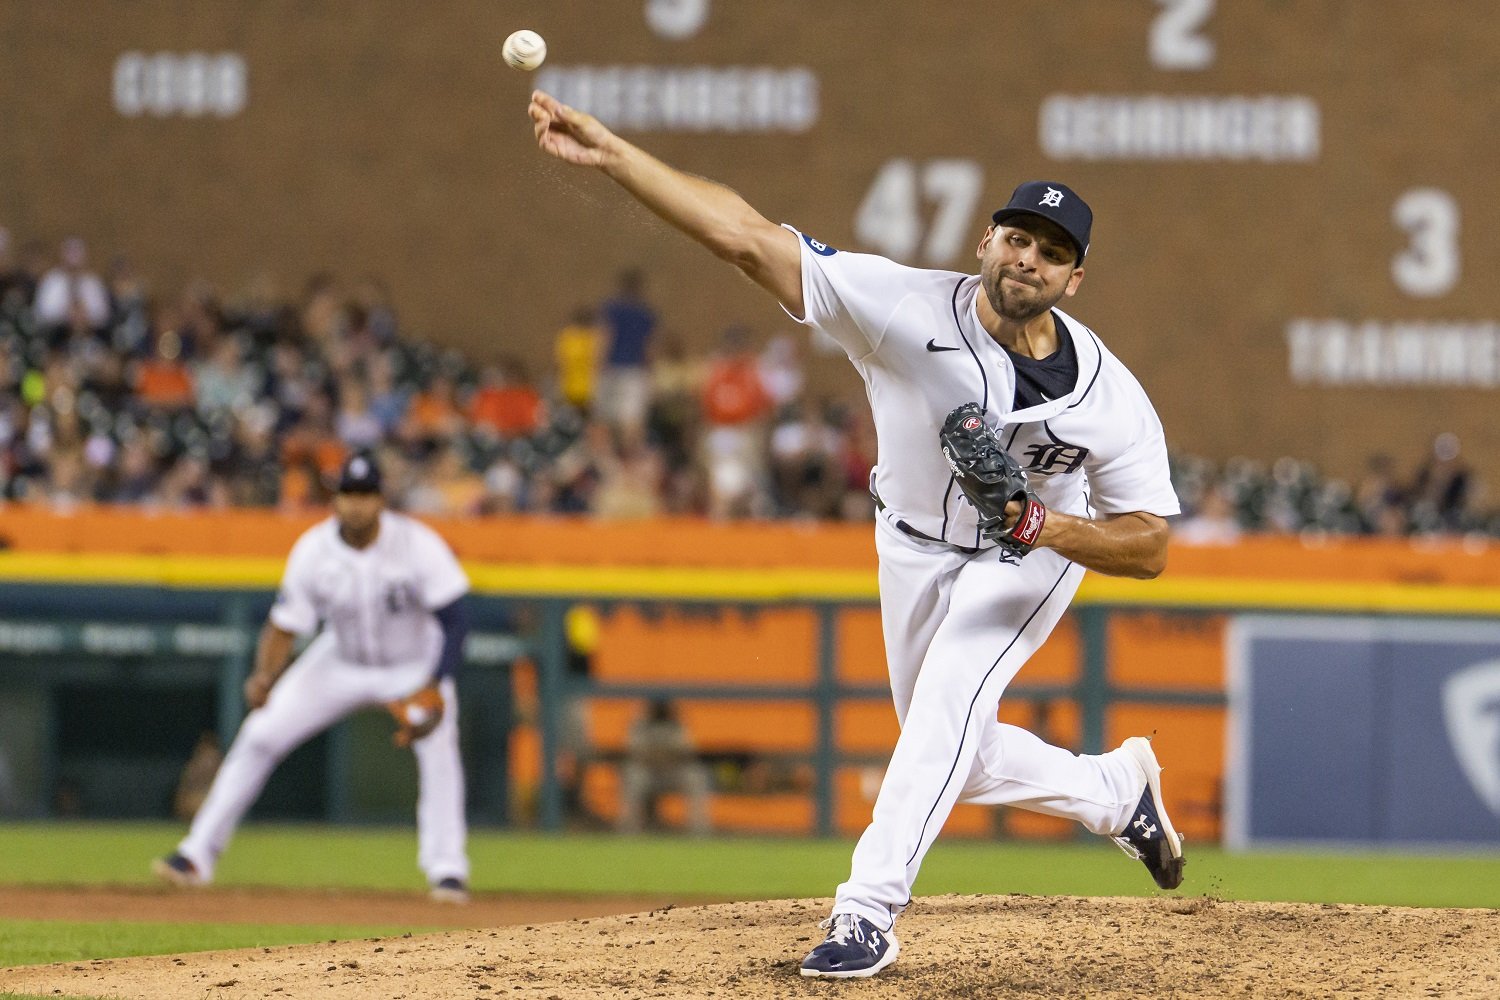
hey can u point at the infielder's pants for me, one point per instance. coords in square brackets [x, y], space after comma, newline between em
[957, 629]
[315, 692]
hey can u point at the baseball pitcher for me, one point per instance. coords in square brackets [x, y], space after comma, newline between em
[1015, 453]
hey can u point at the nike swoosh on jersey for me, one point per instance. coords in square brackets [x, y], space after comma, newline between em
[932, 346]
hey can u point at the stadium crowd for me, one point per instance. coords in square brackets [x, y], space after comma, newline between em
[110, 393]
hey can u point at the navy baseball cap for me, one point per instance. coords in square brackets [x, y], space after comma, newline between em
[1057, 203]
[360, 474]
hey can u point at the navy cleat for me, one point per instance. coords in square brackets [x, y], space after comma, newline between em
[178, 870]
[1149, 837]
[854, 949]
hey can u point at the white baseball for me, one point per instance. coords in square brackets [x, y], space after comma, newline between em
[524, 49]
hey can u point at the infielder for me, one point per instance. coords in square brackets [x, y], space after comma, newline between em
[389, 595]
[971, 379]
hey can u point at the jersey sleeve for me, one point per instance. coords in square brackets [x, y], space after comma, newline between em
[849, 296]
[296, 609]
[442, 579]
[1138, 477]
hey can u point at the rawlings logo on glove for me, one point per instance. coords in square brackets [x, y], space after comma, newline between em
[991, 480]
[416, 715]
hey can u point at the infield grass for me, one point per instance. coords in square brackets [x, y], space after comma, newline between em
[292, 857]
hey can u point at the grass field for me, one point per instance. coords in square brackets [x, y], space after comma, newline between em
[82, 854]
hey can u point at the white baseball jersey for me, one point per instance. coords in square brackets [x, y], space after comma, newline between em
[915, 338]
[959, 622]
[378, 601]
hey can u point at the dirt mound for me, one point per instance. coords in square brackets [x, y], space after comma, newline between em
[967, 947]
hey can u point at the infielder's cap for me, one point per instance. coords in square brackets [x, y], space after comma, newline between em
[360, 474]
[1055, 202]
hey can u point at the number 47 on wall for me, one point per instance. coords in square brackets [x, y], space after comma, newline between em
[920, 212]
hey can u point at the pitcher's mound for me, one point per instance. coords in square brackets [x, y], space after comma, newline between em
[960, 947]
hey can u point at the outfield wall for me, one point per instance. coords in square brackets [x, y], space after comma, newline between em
[769, 631]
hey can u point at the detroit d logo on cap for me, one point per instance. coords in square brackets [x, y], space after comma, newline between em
[1052, 198]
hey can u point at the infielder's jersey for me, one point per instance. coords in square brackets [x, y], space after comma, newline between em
[378, 602]
[914, 336]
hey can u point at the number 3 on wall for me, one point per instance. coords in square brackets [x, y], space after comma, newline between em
[1177, 41]
[1430, 264]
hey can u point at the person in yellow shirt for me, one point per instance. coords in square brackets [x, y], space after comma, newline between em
[577, 350]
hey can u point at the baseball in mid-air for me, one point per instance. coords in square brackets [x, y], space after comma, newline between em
[524, 49]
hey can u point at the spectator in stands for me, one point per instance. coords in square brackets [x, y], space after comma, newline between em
[1440, 492]
[624, 391]
[253, 466]
[735, 408]
[577, 351]
[162, 381]
[377, 315]
[660, 759]
[433, 417]
[806, 477]
[1213, 523]
[780, 368]
[675, 411]
[630, 480]
[858, 459]
[136, 476]
[506, 405]
[322, 313]
[222, 382]
[129, 314]
[388, 400]
[356, 424]
[1378, 495]
[70, 296]
[449, 488]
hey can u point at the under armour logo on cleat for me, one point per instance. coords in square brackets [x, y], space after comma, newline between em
[1147, 828]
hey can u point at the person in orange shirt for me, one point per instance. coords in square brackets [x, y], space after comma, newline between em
[506, 404]
[162, 381]
[735, 406]
[433, 418]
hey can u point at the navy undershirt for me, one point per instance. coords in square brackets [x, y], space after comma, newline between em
[1041, 379]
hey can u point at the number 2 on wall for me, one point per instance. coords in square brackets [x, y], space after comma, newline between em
[1177, 40]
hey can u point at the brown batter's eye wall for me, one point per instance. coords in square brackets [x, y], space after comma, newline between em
[1344, 197]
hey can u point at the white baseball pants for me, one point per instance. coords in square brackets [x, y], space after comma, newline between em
[957, 629]
[316, 691]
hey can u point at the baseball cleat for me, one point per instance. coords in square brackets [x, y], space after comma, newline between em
[1149, 837]
[449, 890]
[854, 948]
[178, 870]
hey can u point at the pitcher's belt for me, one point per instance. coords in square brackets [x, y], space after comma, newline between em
[907, 529]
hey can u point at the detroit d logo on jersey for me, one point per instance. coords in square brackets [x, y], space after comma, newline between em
[1051, 458]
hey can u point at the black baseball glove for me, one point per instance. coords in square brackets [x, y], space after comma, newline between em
[991, 479]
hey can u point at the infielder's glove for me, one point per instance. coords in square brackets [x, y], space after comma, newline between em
[417, 715]
[991, 479]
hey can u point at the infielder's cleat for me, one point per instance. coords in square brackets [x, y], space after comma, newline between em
[449, 890]
[854, 948]
[1149, 837]
[178, 870]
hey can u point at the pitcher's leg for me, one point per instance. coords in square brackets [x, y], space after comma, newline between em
[442, 831]
[302, 704]
[1015, 767]
[999, 615]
